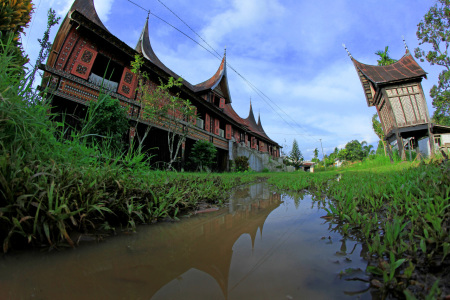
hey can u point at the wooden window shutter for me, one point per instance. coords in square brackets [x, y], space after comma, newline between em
[246, 140]
[216, 126]
[84, 62]
[193, 119]
[228, 132]
[127, 83]
[236, 136]
[207, 123]
[222, 103]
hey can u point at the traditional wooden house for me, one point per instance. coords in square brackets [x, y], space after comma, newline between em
[396, 92]
[84, 51]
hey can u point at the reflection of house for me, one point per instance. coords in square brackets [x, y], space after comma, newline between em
[396, 92]
[81, 52]
[155, 257]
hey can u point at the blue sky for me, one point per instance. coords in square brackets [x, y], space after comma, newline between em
[291, 50]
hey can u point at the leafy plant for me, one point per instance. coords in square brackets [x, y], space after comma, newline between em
[203, 155]
[434, 29]
[241, 163]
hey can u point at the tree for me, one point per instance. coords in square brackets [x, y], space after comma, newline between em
[296, 155]
[434, 29]
[384, 60]
[376, 125]
[367, 149]
[161, 105]
[203, 154]
[316, 155]
[354, 151]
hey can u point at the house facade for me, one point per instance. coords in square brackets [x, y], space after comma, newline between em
[86, 58]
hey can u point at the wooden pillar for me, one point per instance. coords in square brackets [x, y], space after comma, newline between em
[401, 149]
[431, 139]
[183, 148]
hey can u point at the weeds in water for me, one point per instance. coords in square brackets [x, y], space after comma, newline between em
[400, 211]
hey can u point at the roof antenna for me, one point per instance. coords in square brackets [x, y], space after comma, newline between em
[404, 42]
[343, 45]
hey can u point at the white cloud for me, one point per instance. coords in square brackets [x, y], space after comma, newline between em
[103, 7]
[243, 15]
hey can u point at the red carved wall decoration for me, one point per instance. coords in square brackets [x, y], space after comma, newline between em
[222, 103]
[83, 63]
[216, 126]
[228, 132]
[207, 123]
[127, 84]
[66, 49]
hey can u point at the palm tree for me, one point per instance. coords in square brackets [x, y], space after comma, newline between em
[384, 60]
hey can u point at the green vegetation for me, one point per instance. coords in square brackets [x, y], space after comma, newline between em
[52, 186]
[241, 164]
[14, 18]
[160, 105]
[434, 30]
[385, 59]
[399, 211]
[295, 156]
[106, 123]
[203, 155]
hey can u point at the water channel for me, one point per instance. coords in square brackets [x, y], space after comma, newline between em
[262, 245]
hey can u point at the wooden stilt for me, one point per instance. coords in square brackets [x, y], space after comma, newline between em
[401, 149]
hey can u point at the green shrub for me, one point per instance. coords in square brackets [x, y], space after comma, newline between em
[241, 163]
[106, 123]
[202, 155]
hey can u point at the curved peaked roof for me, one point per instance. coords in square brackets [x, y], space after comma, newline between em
[249, 122]
[87, 9]
[405, 68]
[218, 81]
[144, 47]
[260, 125]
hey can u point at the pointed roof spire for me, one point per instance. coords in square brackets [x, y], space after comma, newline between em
[404, 42]
[251, 116]
[348, 52]
[144, 47]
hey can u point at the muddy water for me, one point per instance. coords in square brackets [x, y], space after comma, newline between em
[263, 245]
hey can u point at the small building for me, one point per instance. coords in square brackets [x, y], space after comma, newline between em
[308, 166]
[396, 92]
[84, 50]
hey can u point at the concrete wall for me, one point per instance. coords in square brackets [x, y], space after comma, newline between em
[258, 161]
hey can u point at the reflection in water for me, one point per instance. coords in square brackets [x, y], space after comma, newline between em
[262, 245]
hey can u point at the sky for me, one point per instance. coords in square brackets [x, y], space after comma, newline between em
[290, 50]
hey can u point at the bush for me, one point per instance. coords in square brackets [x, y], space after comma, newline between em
[107, 119]
[241, 163]
[202, 155]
